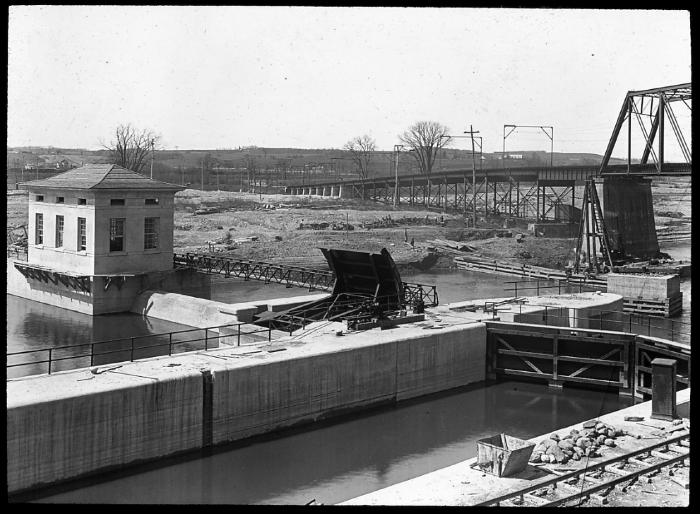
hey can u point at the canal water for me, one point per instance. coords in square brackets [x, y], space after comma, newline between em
[331, 461]
[335, 461]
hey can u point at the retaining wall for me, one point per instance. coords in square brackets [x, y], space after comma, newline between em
[74, 423]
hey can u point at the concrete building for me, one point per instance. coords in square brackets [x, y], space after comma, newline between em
[90, 231]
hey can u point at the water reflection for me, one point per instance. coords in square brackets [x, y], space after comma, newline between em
[33, 325]
[340, 460]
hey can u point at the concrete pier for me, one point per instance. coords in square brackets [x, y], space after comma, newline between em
[462, 485]
[629, 216]
[81, 422]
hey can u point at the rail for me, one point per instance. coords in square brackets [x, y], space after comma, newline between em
[605, 319]
[542, 284]
[268, 272]
[257, 270]
[594, 480]
[129, 349]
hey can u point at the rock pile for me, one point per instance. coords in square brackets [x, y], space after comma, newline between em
[586, 442]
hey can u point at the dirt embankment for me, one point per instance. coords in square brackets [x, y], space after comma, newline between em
[290, 229]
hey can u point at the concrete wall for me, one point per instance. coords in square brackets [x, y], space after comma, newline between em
[264, 397]
[630, 285]
[61, 438]
[62, 426]
[99, 301]
[52, 294]
[629, 216]
[197, 312]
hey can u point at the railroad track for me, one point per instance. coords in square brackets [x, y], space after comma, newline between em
[596, 481]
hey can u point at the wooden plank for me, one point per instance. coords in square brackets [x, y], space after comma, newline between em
[589, 360]
[521, 353]
[524, 373]
[505, 343]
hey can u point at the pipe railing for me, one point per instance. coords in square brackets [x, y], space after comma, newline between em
[541, 284]
[552, 316]
[129, 345]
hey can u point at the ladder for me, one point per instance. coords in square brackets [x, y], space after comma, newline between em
[592, 229]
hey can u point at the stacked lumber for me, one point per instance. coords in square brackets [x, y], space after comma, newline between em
[473, 263]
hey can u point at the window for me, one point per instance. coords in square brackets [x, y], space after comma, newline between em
[82, 235]
[151, 201]
[116, 201]
[116, 234]
[60, 199]
[39, 229]
[59, 231]
[151, 228]
[82, 201]
[39, 198]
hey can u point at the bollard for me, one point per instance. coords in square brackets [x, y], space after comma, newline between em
[663, 389]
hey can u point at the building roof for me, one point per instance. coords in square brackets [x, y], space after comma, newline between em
[101, 176]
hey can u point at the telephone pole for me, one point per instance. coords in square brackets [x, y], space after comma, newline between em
[397, 149]
[153, 145]
[471, 133]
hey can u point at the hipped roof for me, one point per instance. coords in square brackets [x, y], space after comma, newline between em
[101, 176]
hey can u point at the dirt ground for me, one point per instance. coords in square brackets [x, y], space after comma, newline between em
[287, 229]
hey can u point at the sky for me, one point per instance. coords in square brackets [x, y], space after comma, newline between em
[314, 77]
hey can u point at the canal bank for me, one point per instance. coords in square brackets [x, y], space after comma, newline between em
[463, 484]
[130, 412]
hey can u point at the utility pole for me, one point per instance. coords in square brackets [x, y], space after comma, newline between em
[397, 149]
[153, 146]
[471, 134]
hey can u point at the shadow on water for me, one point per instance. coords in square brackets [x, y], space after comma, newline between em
[338, 459]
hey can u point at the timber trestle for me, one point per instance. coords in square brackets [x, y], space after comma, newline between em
[570, 355]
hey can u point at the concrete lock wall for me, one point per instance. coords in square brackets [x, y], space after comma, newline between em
[258, 399]
[80, 432]
[264, 397]
[629, 216]
[66, 425]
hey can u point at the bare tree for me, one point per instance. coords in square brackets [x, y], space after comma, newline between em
[361, 148]
[131, 147]
[425, 138]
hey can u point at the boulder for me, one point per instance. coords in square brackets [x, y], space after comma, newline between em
[566, 444]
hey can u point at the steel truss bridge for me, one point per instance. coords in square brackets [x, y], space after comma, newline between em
[535, 191]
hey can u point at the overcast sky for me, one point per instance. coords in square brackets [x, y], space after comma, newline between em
[222, 77]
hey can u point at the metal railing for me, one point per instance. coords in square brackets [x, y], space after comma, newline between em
[541, 284]
[413, 293]
[619, 321]
[129, 349]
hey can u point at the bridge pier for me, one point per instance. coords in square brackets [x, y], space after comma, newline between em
[629, 216]
[345, 191]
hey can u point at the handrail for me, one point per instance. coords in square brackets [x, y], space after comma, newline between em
[603, 317]
[96, 346]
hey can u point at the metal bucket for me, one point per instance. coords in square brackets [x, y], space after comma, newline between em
[503, 455]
